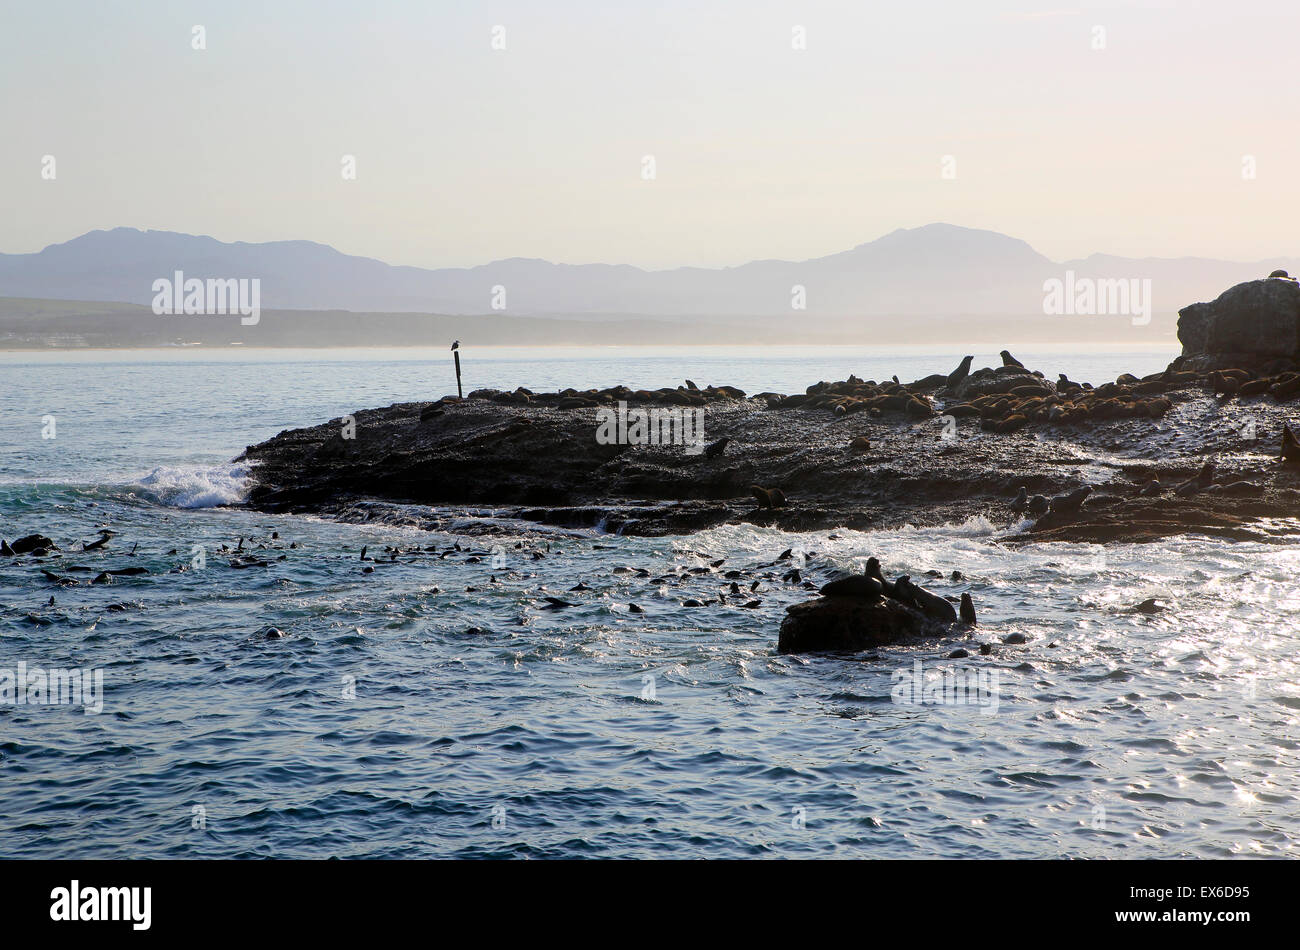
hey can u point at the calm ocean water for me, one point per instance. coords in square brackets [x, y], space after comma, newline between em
[423, 710]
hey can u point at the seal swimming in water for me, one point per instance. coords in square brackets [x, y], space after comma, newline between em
[960, 373]
[1009, 360]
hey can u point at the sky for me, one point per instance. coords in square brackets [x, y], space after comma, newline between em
[465, 153]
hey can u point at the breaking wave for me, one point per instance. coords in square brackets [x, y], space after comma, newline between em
[203, 486]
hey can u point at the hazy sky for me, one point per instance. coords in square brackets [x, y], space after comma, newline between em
[466, 154]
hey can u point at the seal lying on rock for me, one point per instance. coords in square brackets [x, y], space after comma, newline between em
[1070, 501]
[932, 605]
[855, 585]
[768, 497]
[1199, 482]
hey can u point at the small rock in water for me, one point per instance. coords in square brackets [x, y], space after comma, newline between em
[1015, 638]
[958, 654]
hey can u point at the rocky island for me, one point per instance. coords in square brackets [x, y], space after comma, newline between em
[1192, 449]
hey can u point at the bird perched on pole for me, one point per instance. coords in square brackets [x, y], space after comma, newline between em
[455, 352]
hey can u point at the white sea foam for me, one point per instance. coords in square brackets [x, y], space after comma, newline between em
[203, 486]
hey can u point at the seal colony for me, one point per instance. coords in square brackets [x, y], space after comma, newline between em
[1123, 460]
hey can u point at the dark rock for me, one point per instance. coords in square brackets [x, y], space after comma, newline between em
[1257, 319]
[986, 382]
[850, 623]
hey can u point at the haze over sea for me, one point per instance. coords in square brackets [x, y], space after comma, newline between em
[406, 716]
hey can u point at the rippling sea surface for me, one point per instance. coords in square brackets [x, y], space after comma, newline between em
[434, 708]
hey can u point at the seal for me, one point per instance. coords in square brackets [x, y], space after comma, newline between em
[932, 605]
[1070, 501]
[761, 495]
[1199, 482]
[1021, 499]
[1290, 445]
[1009, 360]
[855, 585]
[903, 591]
[873, 570]
[967, 610]
[714, 449]
[1037, 505]
[960, 373]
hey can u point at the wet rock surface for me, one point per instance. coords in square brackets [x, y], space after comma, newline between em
[831, 624]
[855, 453]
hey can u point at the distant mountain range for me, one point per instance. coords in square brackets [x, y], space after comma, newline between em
[938, 270]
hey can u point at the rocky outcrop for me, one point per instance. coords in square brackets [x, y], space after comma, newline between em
[850, 624]
[1254, 322]
[844, 454]
[1003, 381]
